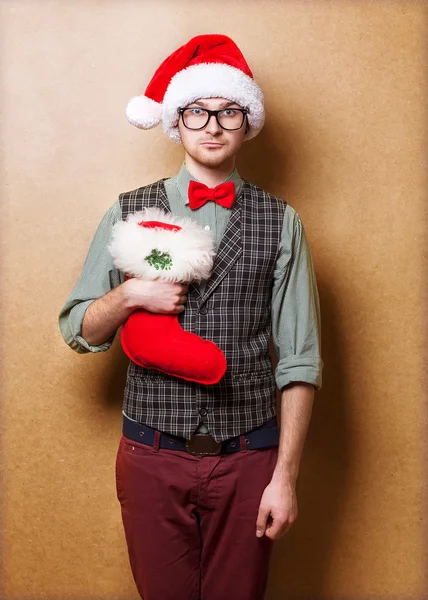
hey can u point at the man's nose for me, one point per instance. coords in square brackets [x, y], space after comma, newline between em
[212, 126]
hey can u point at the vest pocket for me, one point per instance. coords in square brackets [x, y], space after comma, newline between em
[252, 375]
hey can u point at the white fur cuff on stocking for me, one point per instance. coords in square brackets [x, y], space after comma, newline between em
[155, 244]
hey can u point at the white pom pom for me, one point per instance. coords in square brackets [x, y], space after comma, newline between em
[144, 112]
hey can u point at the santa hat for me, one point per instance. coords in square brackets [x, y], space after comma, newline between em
[207, 66]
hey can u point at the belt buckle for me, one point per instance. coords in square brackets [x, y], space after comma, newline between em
[203, 445]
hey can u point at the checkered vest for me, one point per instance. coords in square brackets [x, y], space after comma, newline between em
[234, 311]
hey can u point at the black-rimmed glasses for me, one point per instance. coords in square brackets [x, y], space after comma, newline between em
[196, 118]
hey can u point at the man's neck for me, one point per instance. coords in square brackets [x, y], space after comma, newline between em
[210, 176]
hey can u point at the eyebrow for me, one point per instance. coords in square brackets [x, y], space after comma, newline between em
[224, 105]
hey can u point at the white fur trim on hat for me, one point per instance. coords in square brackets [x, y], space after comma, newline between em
[144, 112]
[191, 248]
[212, 80]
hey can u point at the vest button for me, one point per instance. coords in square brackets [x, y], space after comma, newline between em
[203, 310]
[203, 412]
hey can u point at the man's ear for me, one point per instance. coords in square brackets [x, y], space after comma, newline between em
[247, 127]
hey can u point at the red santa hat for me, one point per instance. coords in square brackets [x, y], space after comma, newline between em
[207, 66]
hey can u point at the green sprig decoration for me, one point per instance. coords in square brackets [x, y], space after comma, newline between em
[159, 260]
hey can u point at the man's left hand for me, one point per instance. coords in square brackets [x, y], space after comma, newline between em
[277, 511]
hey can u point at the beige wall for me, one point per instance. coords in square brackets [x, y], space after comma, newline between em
[344, 144]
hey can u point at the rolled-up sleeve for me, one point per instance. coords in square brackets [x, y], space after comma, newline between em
[296, 321]
[97, 278]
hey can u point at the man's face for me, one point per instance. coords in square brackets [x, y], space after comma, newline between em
[212, 146]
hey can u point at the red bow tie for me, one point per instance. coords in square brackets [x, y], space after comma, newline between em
[199, 193]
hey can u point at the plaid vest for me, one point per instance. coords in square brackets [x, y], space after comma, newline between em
[234, 311]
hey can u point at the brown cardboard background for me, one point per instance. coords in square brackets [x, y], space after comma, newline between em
[345, 145]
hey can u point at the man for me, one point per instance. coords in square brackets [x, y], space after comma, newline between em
[200, 524]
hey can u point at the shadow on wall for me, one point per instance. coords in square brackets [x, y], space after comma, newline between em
[265, 160]
[112, 383]
[302, 557]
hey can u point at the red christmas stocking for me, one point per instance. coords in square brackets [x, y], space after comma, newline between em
[157, 341]
[152, 244]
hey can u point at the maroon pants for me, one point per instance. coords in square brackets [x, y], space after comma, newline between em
[190, 521]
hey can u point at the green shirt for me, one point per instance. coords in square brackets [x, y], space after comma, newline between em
[295, 301]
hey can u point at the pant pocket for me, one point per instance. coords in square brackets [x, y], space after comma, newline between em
[119, 489]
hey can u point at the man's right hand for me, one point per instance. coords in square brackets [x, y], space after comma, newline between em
[103, 316]
[155, 296]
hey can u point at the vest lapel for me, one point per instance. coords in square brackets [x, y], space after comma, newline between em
[229, 251]
[164, 203]
[163, 198]
[230, 248]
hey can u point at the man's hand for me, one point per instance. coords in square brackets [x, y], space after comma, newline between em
[155, 296]
[278, 506]
[104, 315]
[278, 510]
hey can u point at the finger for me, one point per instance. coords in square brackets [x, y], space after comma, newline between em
[277, 529]
[178, 309]
[283, 531]
[172, 309]
[178, 301]
[261, 522]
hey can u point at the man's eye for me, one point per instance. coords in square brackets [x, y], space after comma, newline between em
[229, 112]
[197, 111]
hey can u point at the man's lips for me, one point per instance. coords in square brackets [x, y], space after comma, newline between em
[212, 144]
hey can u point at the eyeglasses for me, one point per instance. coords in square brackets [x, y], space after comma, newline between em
[196, 118]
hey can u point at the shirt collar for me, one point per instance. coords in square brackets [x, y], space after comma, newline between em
[184, 178]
